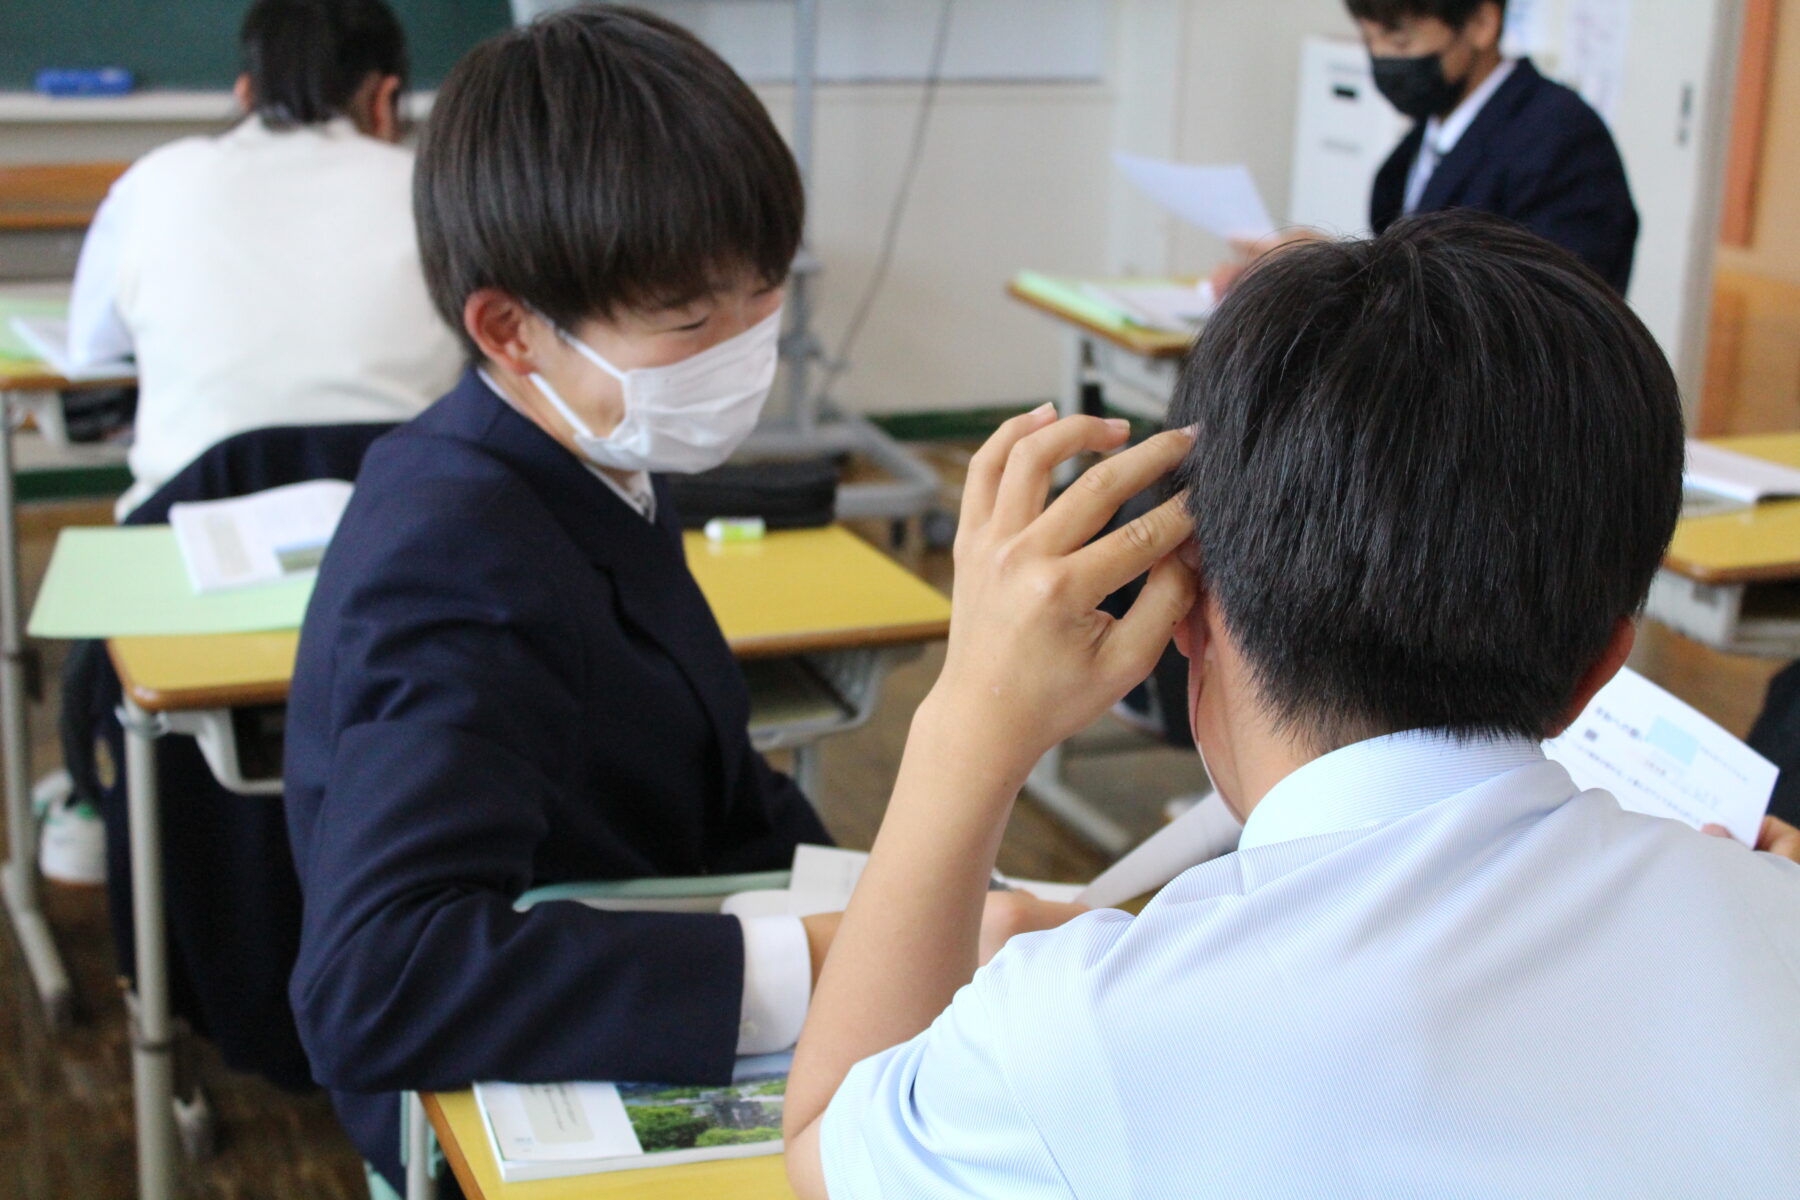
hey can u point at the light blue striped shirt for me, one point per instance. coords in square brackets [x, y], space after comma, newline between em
[1432, 969]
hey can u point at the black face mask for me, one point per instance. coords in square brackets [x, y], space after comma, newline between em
[1415, 85]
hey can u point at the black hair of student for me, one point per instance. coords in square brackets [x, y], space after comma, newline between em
[307, 58]
[600, 158]
[1434, 469]
[1389, 13]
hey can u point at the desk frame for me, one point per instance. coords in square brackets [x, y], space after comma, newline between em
[19, 878]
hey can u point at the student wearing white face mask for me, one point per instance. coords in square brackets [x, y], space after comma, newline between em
[507, 676]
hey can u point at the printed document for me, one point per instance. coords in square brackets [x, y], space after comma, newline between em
[261, 538]
[1658, 756]
[1222, 200]
[1737, 476]
[549, 1130]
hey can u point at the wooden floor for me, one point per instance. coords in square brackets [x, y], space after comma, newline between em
[65, 1102]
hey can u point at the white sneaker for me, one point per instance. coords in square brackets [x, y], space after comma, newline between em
[71, 836]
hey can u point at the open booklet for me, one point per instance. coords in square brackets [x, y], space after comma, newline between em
[548, 1130]
[259, 538]
[1717, 480]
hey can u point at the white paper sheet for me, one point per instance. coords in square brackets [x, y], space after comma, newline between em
[258, 538]
[825, 876]
[1203, 832]
[1594, 41]
[1737, 476]
[1221, 199]
[1172, 307]
[1658, 756]
[556, 1122]
[49, 338]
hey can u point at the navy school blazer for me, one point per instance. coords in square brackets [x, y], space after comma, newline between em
[508, 678]
[1535, 154]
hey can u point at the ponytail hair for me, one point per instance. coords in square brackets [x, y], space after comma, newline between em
[307, 58]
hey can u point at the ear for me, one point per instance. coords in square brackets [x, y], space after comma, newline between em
[1617, 650]
[384, 109]
[373, 109]
[240, 92]
[1486, 24]
[508, 333]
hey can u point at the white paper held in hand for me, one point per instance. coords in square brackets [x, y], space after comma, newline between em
[1222, 199]
[1658, 756]
[1198, 835]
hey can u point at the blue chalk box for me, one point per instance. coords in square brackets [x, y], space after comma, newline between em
[85, 81]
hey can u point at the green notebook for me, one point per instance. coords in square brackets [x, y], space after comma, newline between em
[12, 346]
[116, 581]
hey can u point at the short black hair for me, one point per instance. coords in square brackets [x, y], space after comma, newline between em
[1433, 470]
[307, 58]
[600, 158]
[1389, 13]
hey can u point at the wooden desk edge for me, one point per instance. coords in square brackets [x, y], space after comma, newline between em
[49, 382]
[453, 1151]
[242, 695]
[1149, 346]
[1727, 576]
[778, 645]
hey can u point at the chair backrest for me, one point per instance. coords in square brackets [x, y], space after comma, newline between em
[259, 459]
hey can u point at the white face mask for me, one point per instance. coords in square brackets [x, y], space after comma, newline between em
[686, 417]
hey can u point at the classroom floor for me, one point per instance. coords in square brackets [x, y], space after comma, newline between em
[65, 1101]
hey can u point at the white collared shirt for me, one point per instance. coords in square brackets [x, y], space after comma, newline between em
[777, 959]
[260, 277]
[1442, 133]
[1433, 968]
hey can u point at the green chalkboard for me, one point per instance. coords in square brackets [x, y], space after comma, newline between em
[193, 43]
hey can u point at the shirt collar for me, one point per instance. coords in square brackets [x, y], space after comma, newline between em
[1443, 133]
[636, 491]
[1380, 780]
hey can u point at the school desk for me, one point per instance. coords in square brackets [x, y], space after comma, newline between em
[1732, 580]
[822, 601]
[25, 388]
[1126, 366]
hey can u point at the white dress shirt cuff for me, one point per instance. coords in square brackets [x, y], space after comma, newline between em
[777, 984]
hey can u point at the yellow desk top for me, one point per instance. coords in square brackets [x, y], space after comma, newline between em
[459, 1129]
[791, 593]
[27, 375]
[1757, 545]
[1151, 343]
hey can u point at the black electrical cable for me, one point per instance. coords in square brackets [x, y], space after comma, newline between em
[934, 75]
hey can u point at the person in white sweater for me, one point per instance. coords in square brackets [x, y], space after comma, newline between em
[270, 275]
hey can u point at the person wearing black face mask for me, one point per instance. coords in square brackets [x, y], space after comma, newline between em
[1491, 133]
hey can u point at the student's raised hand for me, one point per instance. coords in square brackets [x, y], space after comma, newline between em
[1776, 836]
[1031, 658]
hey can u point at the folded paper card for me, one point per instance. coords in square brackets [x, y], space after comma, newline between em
[129, 581]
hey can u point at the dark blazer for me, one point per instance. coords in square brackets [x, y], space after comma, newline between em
[1535, 154]
[508, 678]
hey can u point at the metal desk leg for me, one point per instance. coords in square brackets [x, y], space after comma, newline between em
[19, 877]
[152, 1057]
[1047, 785]
[806, 770]
[419, 1182]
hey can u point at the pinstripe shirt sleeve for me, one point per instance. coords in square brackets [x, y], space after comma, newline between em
[938, 1117]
